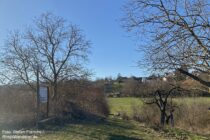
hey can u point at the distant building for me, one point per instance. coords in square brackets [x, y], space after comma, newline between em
[138, 79]
[121, 79]
[164, 79]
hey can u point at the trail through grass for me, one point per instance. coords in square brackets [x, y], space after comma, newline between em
[115, 129]
[112, 129]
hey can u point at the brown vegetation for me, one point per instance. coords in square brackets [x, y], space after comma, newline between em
[191, 117]
[78, 101]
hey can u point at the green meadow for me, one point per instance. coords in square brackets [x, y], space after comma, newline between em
[125, 104]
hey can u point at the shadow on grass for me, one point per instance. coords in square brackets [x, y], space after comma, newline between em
[120, 137]
[111, 129]
[79, 118]
[86, 125]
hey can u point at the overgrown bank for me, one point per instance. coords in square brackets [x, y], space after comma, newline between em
[191, 114]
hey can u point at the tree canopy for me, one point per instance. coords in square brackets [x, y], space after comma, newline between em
[176, 32]
[53, 46]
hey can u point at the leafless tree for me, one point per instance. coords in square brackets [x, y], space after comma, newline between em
[161, 94]
[56, 48]
[175, 33]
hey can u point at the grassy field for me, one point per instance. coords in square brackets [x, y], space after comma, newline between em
[115, 128]
[118, 129]
[125, 104]
[193, 100]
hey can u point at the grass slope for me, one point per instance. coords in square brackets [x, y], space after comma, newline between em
[112, 129]
[117, 129]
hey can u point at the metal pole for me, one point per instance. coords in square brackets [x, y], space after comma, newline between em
[37, 121]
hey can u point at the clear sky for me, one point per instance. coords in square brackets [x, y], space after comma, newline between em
[112, 51]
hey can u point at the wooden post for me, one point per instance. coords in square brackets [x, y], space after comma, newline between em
[38, 100]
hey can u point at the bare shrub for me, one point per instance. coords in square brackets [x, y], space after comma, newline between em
[16, 100]
[148, 114]
[136, 113]
[17, 106]
[193, 117]
[79, 98]
[93, 100]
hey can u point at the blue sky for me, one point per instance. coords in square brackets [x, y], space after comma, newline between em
[112, 51]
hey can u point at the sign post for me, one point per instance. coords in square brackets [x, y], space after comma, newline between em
[37, 84]
[42, 96]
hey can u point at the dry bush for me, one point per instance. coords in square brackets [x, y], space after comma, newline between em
[17, 100]
[195, 87]
[17, 106]
[148, 114]
[94, 101]
[136, 113]
[194, 117]
[79, 99]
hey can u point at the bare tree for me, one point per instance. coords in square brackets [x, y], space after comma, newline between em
[56, 48]
[161, 94]
[17, 61]
[175, 33]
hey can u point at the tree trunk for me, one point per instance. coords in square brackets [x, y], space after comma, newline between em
[162, 118]
[56, 105]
